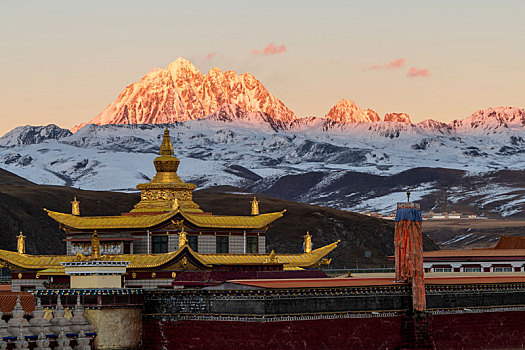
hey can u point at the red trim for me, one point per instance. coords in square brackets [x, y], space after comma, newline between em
[102, 239]
[475, 258]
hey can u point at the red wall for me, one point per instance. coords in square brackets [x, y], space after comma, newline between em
[490, 330]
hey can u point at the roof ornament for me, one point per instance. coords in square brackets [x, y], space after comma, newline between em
[75, 207]
[21, 243]
[166, 148]
[272, 258]
[175, 205]
[183, 240]
[307, 245]
[255, 206]
[95, 246]
[408, 196]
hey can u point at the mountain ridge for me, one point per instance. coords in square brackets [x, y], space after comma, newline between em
[180, 92]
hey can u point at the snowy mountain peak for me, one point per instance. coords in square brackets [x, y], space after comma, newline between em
[346, 111]
[180, 92]
[492, 120]
[397, 117]
[28, 135]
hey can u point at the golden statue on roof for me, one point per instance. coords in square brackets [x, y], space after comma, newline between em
[183, 240]
[75, 207]
[21, 244]
[307, 245]
[95, 246]
[255, 206]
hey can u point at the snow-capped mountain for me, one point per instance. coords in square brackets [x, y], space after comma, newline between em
[397, 117]
[229, 130]
[492, 121]
[180, 92]
[346, 111]
[27, 135]
[357, 166]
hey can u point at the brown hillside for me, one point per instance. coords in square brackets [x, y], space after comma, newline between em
[21, 204]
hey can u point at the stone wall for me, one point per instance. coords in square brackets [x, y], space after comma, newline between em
[116, 328]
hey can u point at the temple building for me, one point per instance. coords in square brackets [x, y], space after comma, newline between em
[508, 255]
[167, 240]
[166, 209]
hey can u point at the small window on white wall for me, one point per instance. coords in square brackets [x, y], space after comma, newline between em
[503, 269]
[442, 269]
[472, 269]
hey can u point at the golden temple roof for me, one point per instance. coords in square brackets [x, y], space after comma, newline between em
[139, 261]
[147, 221]
[109, 222]
[289, 260]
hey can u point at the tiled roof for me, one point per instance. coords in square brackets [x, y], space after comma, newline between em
[147, 221]
[289, 260]
[8, 301]
[508, 242]
[475, 253]
[378, 281]
[52, 262]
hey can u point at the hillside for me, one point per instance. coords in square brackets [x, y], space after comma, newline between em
[21, 204]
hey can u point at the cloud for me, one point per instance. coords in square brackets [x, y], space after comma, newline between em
[395, 64]
[271, 49]
[414, 72]
[210, 55]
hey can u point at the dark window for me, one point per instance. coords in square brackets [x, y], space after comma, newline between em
[193, 242]
[252, 245]
[222, 244]
[127, 248]
[159, 244]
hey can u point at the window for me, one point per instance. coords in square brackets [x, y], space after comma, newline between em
[222, 244]
[252, 245]
[442, 269]
[193, 242]
[503, 269]
[472, 269]
[159, 244]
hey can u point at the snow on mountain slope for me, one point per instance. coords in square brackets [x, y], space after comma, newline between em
[180, 92]
[254, 151]
[26, 135]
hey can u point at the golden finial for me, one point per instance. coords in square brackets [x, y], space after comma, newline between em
[75, 207]
[175, 205]
[272, 258]
[307, 245]
[408, 196]
[255, 206]
[21, 243]
[182, 238]
[95, 246]
[166, 148]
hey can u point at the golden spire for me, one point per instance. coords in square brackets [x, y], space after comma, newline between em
[166, 148]
[182, 238]
[75, 207]
[21, 243]
[307, 245]
[255, 206]
[95, 246]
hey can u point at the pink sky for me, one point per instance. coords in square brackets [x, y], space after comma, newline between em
[63, 62]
